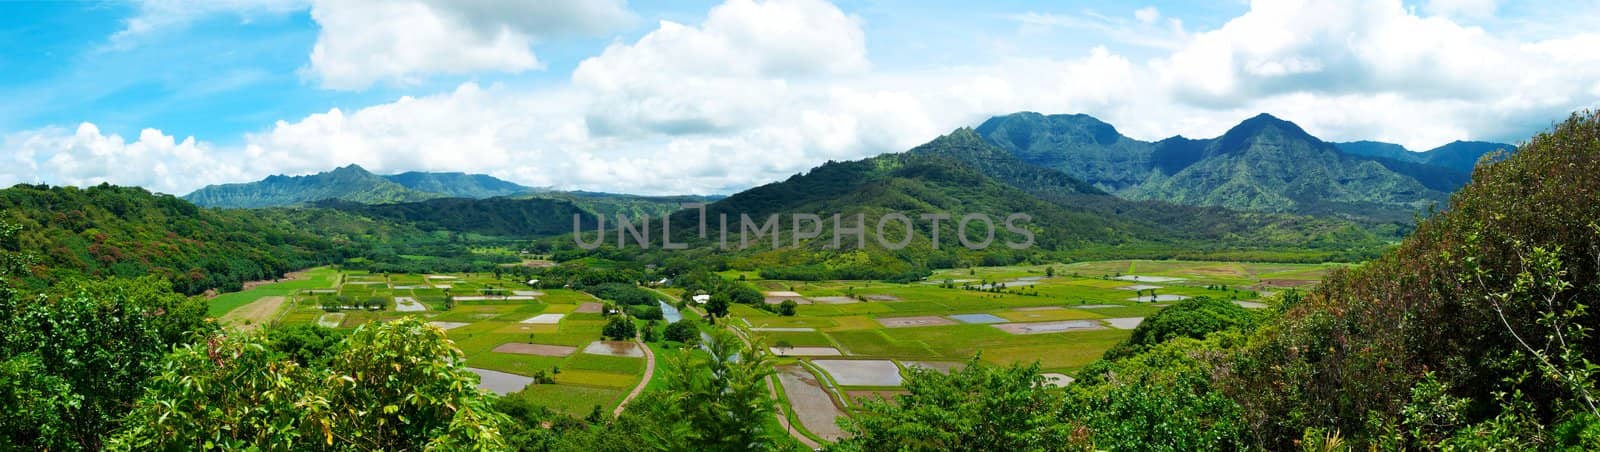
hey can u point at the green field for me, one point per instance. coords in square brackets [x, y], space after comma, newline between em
[316, 278]
[847, 316]
[1078, 291]
[582, 380]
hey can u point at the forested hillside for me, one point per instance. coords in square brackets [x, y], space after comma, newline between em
[503, 217]
[106, 231]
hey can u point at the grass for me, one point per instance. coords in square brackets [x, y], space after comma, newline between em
[316, 278]
[591, 378]
[577, 401]
[603, 363]
[876, 343]
[797, 339]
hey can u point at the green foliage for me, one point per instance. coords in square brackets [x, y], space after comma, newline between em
[107, 231]
[976, 408]
[501, 217]
[619, 328]
[652, 331]
[683, 331]
[644, 312]
[308, 345]
[1162, 398]
[715, 398]
[610, 205]
[718, 305]
[75, 359]
[625, 294]
[394, 385]
[1192, 318]
[1489, 299]
[787, 308]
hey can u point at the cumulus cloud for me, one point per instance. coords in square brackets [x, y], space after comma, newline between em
[1373, 66]
[362, 42]
[739, 65]
[760, 90]
[85, 156]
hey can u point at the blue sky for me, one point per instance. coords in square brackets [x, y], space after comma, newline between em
[714, 96]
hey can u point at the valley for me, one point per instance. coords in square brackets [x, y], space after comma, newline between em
[844, 340]
[799, 225]
[1114, 310]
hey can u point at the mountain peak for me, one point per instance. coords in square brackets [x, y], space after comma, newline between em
[1263, 124]
[351, 168]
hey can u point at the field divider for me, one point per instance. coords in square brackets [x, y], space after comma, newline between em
[827, 382]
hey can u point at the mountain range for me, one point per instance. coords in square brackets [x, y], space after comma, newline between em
[1262, 164]
[353, 185]
[961, 173]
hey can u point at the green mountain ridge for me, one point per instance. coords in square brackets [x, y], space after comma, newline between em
[1458, 156]
[349, 183]
[1263, 164]
[960, 173]
[457, 185]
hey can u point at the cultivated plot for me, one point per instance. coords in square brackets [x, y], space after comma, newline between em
[1049, 327]
[861, 372]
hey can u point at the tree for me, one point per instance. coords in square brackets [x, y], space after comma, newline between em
[651, 332]
[308, 344]
[718, 305]
[715, 398]
[73, 361]
[683, 331]
[783, 345]
[396, 385]
[1192, 318]
[744, 294]
[979, 407]
[1050, 271]
[1163, 395]
[619, 328]
[787, 308]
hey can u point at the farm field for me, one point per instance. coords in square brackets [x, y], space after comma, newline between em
[848, 339]
[508, 331]
[852, 339]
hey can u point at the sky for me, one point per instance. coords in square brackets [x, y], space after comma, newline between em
[713, 97]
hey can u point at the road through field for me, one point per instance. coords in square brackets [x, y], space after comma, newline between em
[649, 372]
[251, 316]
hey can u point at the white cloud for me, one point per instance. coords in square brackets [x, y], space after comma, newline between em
[761, 90]
[87, 157]
[156, 16]
[362, 42]
[1379, 68]
[1472, 9]
[736, 67]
